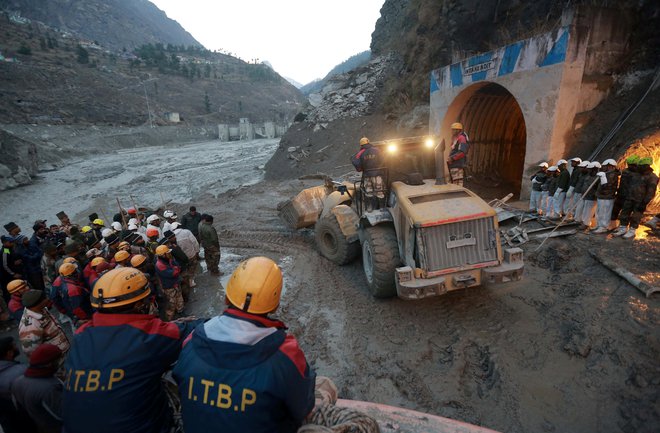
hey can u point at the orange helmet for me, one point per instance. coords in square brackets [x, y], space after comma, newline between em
[17, 285]
[152, 232]
[123, 245]
[120, 256]
[137, 260]
[97, 261]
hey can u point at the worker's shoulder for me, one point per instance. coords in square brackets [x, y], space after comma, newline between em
[292, 351]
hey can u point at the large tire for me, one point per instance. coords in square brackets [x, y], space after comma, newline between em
[332, 243]
[380, 258]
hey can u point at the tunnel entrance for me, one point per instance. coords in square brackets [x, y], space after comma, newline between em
[495, 125]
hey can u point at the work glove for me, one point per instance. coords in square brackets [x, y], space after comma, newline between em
[603, 177]
[569, 193]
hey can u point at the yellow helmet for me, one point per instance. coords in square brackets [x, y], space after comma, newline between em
[123, 245]
[363, 141]
[67, 269]
[120, 256]
[97, 261]
[70, 260]
[98, 222]
[137, 260]
[16, 285]
[85, 229]
[457, 125]
[255, 286]
[120, 287]
[161, 250]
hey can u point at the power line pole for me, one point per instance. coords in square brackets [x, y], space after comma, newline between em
[151, 123]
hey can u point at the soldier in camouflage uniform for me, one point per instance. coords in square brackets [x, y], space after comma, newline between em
[208, 238]
[38, 326]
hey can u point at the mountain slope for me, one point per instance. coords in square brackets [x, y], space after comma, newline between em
[116, 24]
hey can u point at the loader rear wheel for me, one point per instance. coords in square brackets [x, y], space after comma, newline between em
[332, 243]
[380, 258]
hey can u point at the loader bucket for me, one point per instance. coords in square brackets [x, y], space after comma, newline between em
[304, 209]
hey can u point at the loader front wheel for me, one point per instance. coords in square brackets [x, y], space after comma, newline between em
[380, 258]
[332, 243]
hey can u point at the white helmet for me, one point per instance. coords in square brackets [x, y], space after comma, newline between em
[576, 159]
[132, 227]
[116, 226]
[609, 162]
[169, 214]
[133, 221]
[152, 218]
[175, 226]
[106, 232]
[560, 162]
[553, 168]
[543, 164]
[584, 163]
[594, 164]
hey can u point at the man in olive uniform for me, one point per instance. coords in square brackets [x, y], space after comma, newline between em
[208, 238]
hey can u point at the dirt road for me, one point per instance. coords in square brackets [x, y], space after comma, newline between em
[570, 348]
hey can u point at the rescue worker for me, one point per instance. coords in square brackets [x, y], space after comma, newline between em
[589, 195]
[368, 161]
[570, 202]
[48, 265]
[143, 265]
[640, 195]
[97, 226]
[168, 273]
[186, 240]
[12, 419]
[65, 222]
[137, 244]
[38, 326]
[537, 182]
[113, 372]
[559, 196]
[153, 222]
[170, 217]
[11, 267]
[32, 257]
[627, 178]
[90, 273]
[241, 371]
[605, 194]
[457, 160]
[152, 243]
[548, 189]
[39, 392]
[16, 288]
[190, 221]
[70, 296]
[208, 238]
[579, 188]
[122, 259]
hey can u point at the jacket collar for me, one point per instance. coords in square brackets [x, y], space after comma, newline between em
[253, 318]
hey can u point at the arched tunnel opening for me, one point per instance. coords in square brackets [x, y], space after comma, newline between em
[495, 125]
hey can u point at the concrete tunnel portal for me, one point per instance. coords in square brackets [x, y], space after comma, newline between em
[495, 124]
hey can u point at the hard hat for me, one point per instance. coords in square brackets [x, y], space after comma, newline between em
[116, 226]
[152, 232]
[106, 232]
[632, 159]
[577, 159]
[543, 164]
[594, 164]
[67, 269]
[583, 164]
[16, 285]
[70, 260]
[255, 286]
[609, 162]
[152, 218]
[132, 227]
[123, 245]
[161, 250]
[133, 221]
[553, 168]
[645, 161]
[457, 125]
[169, 214]
[120, 256]
[363, 141]
[93, 252]
[131, 211]
[175, 226]
[85, 229]
[137, 260]
[120, 287]
[561, 161]
[98, 222]
[97, 261]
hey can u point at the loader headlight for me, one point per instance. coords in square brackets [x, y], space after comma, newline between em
[392, 148]
[429, 143]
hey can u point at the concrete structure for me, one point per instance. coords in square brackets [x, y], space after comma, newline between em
[172, 117]
[245, 130]
[521, 103]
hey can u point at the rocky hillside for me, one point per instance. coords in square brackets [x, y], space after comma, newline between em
[116, 24]
[50, 76]
[413, 37]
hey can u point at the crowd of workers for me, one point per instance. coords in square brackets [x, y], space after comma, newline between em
[132, 366]
[599, 196]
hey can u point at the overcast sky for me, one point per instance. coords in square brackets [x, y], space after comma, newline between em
[302, 39]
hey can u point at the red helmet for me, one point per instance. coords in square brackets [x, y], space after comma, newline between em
[152, 232]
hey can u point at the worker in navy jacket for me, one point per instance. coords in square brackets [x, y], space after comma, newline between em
[113, 371]
[241, 372]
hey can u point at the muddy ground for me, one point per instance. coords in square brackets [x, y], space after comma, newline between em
[571, 347]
